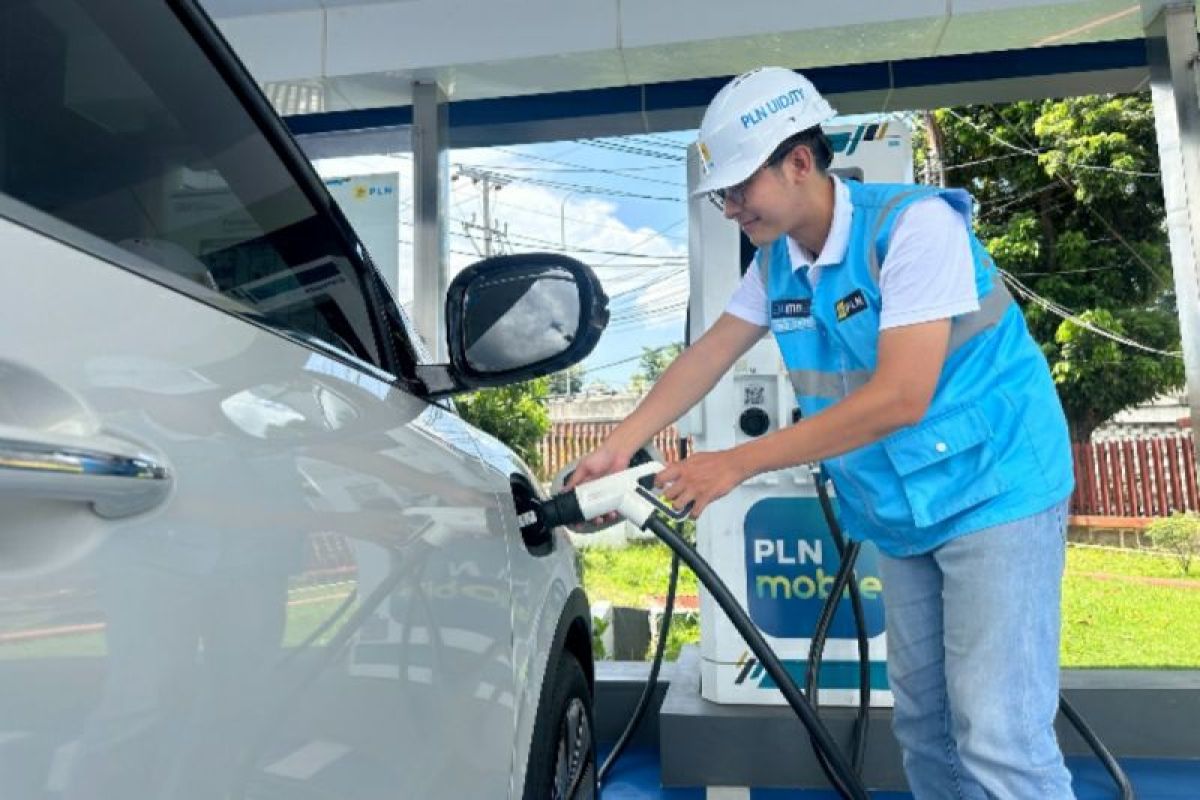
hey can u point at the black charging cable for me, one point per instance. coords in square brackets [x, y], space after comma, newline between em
[643, 704]
[660, 649]
[839, 772]
[848, 555]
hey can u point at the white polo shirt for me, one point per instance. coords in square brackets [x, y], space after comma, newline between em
[928, 273]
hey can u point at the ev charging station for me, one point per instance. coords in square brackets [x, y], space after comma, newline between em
[768, 538]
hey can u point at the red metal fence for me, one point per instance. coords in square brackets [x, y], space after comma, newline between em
[1146, 477]
[568, 441]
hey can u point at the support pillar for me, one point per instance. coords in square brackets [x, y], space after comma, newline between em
[431, 190]
[1173, 51]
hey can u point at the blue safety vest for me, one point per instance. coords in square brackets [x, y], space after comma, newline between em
[993, 445]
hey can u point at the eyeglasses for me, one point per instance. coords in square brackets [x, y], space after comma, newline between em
[736, 193]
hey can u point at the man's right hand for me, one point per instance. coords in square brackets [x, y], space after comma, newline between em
[596, 464]
[604, 460]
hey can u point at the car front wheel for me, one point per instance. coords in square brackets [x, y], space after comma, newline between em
[562, 759]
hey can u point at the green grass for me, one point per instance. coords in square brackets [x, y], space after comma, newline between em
[1126, 622]
[632, 575]
[1082, 558]
[685, 629]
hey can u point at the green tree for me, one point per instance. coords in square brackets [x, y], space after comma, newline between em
[1178, 534]
[1071, 205]
[514, 414]
[567, 381]
[653, 363]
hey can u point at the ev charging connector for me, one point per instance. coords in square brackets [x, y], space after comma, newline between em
[629, 493]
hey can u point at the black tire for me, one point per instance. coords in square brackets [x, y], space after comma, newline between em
[562, 757]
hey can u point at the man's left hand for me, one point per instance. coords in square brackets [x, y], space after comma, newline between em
[700, 479]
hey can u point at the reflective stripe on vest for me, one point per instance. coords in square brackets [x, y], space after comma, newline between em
[827, 385]
[992, 308]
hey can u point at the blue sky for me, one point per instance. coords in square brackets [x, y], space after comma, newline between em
[616, 204]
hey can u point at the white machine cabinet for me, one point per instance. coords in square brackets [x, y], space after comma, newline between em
[768, 538]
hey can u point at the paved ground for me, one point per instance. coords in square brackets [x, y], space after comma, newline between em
[636, 778]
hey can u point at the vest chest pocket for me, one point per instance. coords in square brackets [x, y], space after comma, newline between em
[946, 464]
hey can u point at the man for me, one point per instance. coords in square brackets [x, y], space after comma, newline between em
[932, 409]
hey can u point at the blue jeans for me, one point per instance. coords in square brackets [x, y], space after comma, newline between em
[972, 636]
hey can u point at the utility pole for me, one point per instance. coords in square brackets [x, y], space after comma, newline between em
[487, 216]
[488, 182]
[935, 164]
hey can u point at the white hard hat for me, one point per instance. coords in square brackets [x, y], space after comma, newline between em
[749, 118]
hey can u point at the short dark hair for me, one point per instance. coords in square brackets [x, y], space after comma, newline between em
[814, 139]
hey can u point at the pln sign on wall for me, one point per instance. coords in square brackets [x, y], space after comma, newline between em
[372, 204]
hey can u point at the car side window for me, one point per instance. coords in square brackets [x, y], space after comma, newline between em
[114, 120]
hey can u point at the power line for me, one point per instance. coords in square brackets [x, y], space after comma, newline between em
[627, 360]
[551, 245]
[593, 223]
[602, 191]
[673, 184]
[449, 250]
[1029, 151]
[508, 204]
[618, 147]
[615, 171]
[1072, 271]
[659, 305]
[660, 233]
[611, 364]
[623, 288]
[664, 261]
[661, 141]
[658, 318]
[647, 285]
[1012, 201]
[1159, 279]
[1069, 315]
[977, 162]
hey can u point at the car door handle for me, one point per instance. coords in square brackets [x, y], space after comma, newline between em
[116, 478]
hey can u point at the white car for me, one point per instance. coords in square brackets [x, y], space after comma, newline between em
[246, 550]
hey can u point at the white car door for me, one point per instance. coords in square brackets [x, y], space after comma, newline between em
[238, 558]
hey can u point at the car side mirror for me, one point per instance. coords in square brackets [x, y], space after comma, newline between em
[516, 317]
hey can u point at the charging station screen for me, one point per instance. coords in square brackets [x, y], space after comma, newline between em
[791, 564]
